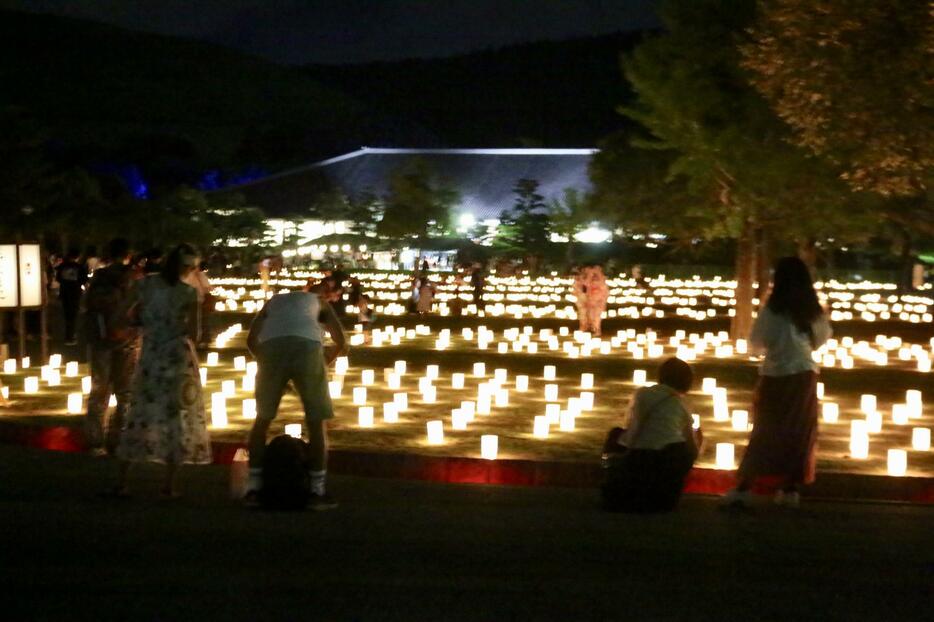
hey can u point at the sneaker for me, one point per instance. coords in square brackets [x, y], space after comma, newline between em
[791, 499]
[320, 503]
[736, 499]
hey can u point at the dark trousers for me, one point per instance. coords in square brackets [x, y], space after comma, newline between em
[112, 370]
[70, 304]
[644, 480]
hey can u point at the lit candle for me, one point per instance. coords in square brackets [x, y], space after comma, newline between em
[218, 410]
[435, 432]
[479, 370]
[867, 403]
[859, 439]
[390, 412]
[720, 406]
[489, 446]
[55, 361]
[740, 420]
[540, 427]
[550, 372]
[71, 369]
[921, 439]
[75, 403]
[365, 416]
[522, 383]
[86, 385]
[708, 385]
[586, 399]
[359, 396]
[341, 365]
[9, 366]
[897, 462]
[639, 377]
[432, 371]
[831, 412]
[212, 359]
[399, 366]
[724, 456]
[248, 408]
[586, 381]
[240, 363]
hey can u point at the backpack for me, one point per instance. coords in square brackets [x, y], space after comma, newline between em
[107, 315]
[286, 480]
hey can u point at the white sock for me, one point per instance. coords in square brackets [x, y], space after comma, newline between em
[317, 482]
[254, 479]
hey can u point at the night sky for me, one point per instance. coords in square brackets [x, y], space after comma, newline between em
[348, 31]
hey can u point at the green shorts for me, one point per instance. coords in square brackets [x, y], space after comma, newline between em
[299, 361]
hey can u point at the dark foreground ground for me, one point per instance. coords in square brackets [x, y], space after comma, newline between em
[416, 551]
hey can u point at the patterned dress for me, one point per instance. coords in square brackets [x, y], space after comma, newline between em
[166, 420]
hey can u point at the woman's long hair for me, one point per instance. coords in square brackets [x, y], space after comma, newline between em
[181, 256]
[793, 294]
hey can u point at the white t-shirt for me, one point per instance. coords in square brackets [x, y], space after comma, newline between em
[787, 350]
[657, 417]
[294, 314]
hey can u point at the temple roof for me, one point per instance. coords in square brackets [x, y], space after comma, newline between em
[484, 178]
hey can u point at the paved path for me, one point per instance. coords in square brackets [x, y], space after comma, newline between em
[418, 551]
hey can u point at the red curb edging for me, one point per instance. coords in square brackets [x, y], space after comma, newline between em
[460, 470]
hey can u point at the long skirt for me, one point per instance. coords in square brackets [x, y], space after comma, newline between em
[784, 433]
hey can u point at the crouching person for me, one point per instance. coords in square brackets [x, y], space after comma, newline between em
[646, 463]
[286, 338]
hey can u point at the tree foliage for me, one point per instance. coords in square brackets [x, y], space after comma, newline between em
[523, 229]
[853, 79]
[418, 202]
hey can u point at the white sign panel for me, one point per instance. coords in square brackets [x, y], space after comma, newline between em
[30, 275]
[9, 296]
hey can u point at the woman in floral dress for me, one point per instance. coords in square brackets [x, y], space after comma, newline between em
[166, 421]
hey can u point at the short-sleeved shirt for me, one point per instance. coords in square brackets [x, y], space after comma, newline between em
[657, 417]
[294, 314]
[787, 349]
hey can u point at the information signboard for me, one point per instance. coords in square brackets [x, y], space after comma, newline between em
[30, 275]
[9, 279]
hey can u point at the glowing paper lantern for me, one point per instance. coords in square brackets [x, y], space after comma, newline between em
[334, 388]
[229, 388]
[435, 432]
[55, 378]
[390, 412]
[359, 396]
[586, 381]
[489, 446]
[218, 410]
[551, 393]
[240, 363]
[25, 362]
[86, 385]
[251, 368]
[586, 399]
[553, 413]
[721, 410]
[203, 374]
[820, 390]
[874, 422]
[55, 361]
[341, 365]
[913, 400]
[401, 400]
[394, 381]
[566, 421]
[365, 417]
[430, 394]
[522, 383]
[484, 405]
[921, 439]
[75, 403]
[248, 383]
[294, 430]
[212, 359]
[897, 462]
[867, 403]
[71, 369]
[248, 408]
[695, 422]
[724, 457]
[479, 370]
[540, 427]
[550, 372]
[831, 412]
[500, 375]
[639, 377]
[708, 385]
[458, 419]
[9, 366]
[367, 377]
[740, 420]
[457, 381]
[432, 371]
[900, 414]
[112, 402]
[859, 439]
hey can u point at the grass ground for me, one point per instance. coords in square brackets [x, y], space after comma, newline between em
[403, 550]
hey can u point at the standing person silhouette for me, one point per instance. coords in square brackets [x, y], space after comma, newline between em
[791, 325]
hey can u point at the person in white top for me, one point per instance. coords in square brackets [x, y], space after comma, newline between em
[646, 464]
[287, 340]
[791, 325]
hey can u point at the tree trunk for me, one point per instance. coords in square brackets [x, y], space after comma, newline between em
[807, 252]
[741, 323]
[905, 263]
[763, 264]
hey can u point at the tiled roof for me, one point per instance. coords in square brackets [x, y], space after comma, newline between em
[484, 178]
